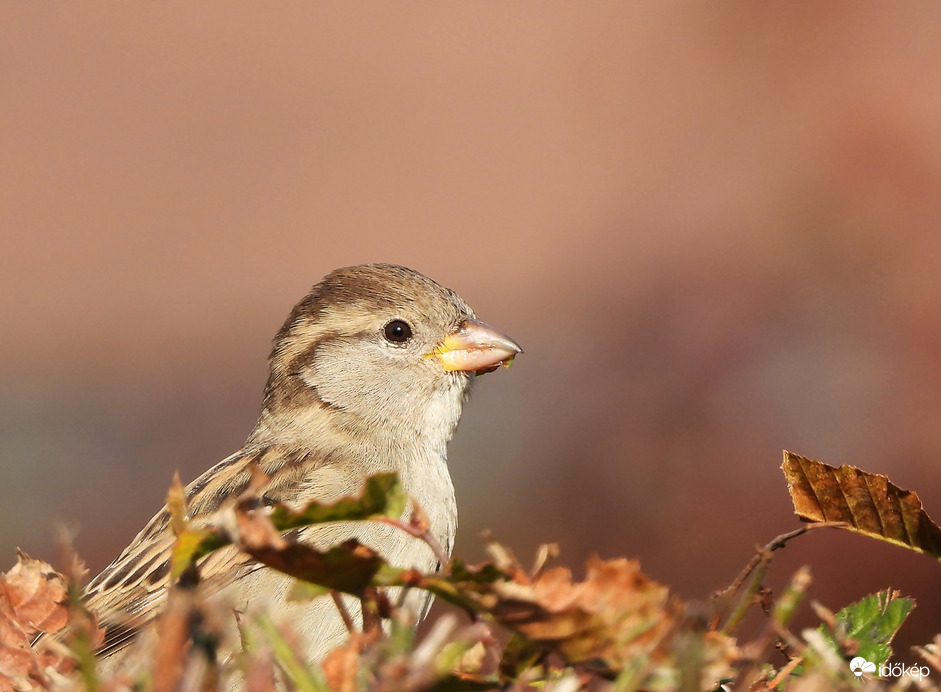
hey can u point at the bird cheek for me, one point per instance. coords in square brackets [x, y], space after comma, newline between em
[308, 375]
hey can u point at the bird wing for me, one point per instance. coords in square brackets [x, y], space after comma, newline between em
[129, 593]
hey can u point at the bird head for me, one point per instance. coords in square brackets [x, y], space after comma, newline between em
[380, 348]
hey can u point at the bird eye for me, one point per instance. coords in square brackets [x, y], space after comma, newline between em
[398, 332]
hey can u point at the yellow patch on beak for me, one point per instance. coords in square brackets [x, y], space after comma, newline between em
[475, 347]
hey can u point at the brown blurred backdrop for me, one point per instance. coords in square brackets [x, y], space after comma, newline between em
[713, 227]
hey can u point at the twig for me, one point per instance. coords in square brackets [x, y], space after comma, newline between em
[784, 672]
[344, 613]
[759, 565]
[418, 532]
[775, 544]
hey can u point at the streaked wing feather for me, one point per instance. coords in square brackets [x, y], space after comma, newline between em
[131, 591]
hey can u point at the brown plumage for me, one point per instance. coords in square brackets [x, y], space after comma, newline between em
[369, 373]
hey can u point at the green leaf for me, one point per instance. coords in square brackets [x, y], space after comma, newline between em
[382, 496]
[306, 591]
[302, 676]
[519, 654]
[191, 545]
[486, 573]
[349, 567]
[872, 622]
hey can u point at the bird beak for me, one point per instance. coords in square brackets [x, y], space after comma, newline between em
[476, 347]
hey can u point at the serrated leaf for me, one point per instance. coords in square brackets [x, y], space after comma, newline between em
[382, 496]
[348, 567]
[868, 503]
[872, 622]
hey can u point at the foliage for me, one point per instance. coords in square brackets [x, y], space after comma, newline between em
[523, 628]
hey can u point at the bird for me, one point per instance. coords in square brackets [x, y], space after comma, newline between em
[368, 374]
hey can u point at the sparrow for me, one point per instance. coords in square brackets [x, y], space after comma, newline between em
[369, 374]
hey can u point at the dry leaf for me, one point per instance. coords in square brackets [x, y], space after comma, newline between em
[37, 595]
[33, 599]
[615, 614]
[868, 503]
[341, 666]
[419, 520]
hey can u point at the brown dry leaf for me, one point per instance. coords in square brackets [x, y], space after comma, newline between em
[614, 620]
[348, 567]
[931, 653]
[33, 599]
[256, 532]
[176, 505]
[16, 662]
[419, 519]
[16, 657]
[868, 503]
[616, 614]
[341, 666]
[37, 594]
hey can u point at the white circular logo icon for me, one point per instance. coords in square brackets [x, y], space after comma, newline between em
[860, 665]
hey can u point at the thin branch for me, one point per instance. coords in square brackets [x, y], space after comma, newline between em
[784, 672]
[420, 533]
[759, 565]
[344, 613]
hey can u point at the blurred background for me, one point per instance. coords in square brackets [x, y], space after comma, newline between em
[714, 229]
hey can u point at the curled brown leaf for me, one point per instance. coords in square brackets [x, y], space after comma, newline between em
[867, 503]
